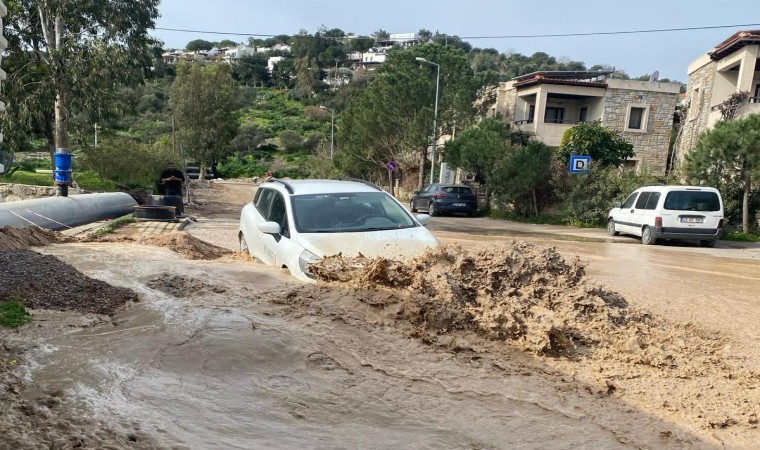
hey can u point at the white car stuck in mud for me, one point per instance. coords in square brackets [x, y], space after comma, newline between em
[295, 223]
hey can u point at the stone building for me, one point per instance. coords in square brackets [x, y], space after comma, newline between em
[549, 103]
[731, 67]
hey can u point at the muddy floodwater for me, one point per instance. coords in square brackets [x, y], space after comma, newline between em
[227, 353]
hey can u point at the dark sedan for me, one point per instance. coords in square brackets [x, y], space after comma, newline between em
[445, 198]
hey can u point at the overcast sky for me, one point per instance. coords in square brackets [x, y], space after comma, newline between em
[637, 54]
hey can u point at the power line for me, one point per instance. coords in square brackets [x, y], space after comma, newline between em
[510, 36]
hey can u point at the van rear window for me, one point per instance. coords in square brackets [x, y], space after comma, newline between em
[692, 201]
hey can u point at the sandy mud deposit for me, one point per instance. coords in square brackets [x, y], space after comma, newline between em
[530, 297]
[179, 242]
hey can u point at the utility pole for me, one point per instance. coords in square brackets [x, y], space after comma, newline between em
[96, 135]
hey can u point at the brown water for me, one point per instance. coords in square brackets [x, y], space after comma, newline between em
[231, 364]
[240, 369]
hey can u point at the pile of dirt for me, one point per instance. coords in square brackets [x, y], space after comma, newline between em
[182, 286]
[187, 245]
[527, 295]
[17, 238]
[180, 242]
[45, 282]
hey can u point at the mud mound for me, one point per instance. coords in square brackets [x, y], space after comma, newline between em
[188, 246]
[525, 294]
[17, 238]
[182, 286]
[45, 282]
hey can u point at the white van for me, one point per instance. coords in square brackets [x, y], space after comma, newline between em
[669, 212]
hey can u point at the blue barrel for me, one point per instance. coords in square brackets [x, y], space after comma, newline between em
[62, 161]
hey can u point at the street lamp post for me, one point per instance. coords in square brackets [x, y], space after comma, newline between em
[332, 128]
[435, 115]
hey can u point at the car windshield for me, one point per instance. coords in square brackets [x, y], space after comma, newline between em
[349, 212]
[692, 201]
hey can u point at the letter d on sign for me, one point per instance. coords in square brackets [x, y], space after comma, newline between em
[580, 164]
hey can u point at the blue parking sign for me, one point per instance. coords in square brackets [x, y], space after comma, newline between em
[580, 164]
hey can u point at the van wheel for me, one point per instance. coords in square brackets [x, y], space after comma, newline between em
[646, 236]
[431, 209]
[611, 228]
[708, 243]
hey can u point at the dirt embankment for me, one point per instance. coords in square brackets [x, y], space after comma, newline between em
[530, 297]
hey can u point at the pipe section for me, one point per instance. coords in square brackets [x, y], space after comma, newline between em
[58, 213]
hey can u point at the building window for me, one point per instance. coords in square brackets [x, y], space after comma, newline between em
[554, 115]
[583, 115]
[531, 113]
[756, 98]
[637, 118]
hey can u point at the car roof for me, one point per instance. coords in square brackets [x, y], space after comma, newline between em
[677, 188]
[302, 187]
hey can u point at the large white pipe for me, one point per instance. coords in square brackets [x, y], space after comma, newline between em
[57, 213]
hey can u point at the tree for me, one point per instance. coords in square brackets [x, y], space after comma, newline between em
[729, 153]
[251, 70]
[203, 99]
[227, 43]
[522, 175]
[477, 149]
[606, 147]
[78, 53]
[393, 117]
[199, 44]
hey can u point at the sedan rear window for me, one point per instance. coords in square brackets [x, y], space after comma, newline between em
[692, 201]
[456, 190]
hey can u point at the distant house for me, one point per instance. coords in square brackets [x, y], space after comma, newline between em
[732, 66]
[550, 103]
[272, 61]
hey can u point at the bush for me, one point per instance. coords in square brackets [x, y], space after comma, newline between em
[290, 140]
[241, 167]
[587, 198]
[126, 161]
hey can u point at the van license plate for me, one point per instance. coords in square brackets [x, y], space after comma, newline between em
[458, 204]
[692, 219]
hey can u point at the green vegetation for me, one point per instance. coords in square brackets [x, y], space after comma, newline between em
[86, 179]
[115, 225]
[13, 314]
[741, 236]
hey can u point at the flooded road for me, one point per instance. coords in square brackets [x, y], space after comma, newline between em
[219, 354]
[231, 370]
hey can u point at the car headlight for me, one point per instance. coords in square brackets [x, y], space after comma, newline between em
[305, 259]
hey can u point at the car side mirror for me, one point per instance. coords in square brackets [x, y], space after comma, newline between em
[618, 205]
[270, 228]
[416, 192]
[423, 219]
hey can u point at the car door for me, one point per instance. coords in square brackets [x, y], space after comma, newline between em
[253, 215]
[623, 216]
[423, 198]
[280, 247]
[640, 214]
[644, 213]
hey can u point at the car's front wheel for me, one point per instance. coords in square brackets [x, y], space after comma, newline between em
[611, 228]
[411, 206]
[647, 238]
[431, 209]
